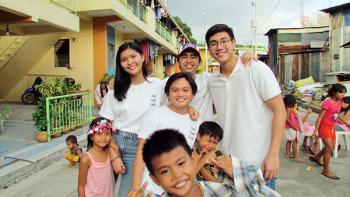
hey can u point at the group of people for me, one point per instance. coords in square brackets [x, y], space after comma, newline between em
[334, 116]
[160, 137]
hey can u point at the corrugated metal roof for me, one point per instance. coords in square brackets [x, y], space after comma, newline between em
[336, 8]
[297, 29]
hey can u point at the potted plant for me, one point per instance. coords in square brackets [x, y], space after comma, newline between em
[40, 122]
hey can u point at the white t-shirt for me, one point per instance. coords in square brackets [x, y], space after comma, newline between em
[202, 101]
[125, 115]
[242, 111]
[165, 118]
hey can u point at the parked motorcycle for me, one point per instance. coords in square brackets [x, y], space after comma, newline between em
[31, 95]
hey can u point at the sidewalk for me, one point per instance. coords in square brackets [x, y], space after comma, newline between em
[20, 154]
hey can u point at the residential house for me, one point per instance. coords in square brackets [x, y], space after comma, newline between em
[79, 39]
[297, 53]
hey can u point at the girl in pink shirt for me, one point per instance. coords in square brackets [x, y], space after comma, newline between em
[325, 127]
[292, 128]
[345, 114]
[96, 176]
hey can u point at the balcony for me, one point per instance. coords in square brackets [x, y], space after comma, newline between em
[38, 16]
[137, 8]
[69, 5]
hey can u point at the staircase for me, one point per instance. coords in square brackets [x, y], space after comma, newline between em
[18, 57]
[9, 45]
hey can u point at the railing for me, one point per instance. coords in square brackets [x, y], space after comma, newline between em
[70, 5]
[163, 31]
[136, 7]
[6, 42]
[67, 112]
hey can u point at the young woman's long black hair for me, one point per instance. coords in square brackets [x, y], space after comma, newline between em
[93, 124]
[122, 78]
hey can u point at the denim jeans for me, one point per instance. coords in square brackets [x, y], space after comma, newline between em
[271, 183]
[127, 143]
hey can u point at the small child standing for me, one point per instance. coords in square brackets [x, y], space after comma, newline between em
[75, 151]
[209, 135]
[96, 172]
[292, 128]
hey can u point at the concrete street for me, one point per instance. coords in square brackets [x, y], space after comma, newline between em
[294, 180]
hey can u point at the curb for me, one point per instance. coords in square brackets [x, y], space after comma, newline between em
[19, 169]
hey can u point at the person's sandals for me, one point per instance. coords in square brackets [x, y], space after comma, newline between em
[312, 151]
[313, 159]
[330, 175]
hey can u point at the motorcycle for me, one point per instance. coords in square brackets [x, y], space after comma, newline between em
[31, 95]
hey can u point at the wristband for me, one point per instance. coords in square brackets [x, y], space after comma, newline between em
[116, 157]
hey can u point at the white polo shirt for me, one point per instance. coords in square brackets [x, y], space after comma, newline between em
[242, 111]
[202, 101]
[125, 115]
[165, 118]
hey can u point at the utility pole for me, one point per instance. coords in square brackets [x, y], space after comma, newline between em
[302, 13]
[205, 43]
[255, 26]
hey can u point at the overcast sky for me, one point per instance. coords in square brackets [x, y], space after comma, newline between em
[238, 14]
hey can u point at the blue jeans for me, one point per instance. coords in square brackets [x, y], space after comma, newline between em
[127, 143]
[271, 183]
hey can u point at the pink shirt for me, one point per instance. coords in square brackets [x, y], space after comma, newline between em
[332, 111]
[293, 119]
[100, 179]
[343, 126]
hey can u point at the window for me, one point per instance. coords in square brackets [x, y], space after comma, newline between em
[62, 53]
[347, 17]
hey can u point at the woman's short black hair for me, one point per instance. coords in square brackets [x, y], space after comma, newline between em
[122, 78]
[289, 100]
[212, 129]
[178, 76]
[336, 88]
[162, 141]
[217, 29]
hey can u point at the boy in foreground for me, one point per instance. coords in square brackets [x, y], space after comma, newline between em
[168, 159]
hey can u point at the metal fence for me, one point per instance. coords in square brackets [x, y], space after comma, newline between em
[136, 7]
[163, 31]
[68, 112]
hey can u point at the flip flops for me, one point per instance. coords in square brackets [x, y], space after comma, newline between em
[313, 159]
[331, 176]
[312, 152]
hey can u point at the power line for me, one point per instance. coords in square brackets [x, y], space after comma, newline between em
[272, 11]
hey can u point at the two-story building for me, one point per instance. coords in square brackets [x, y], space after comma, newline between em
[79, 39]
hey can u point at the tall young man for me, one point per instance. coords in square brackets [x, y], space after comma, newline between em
[248, 102]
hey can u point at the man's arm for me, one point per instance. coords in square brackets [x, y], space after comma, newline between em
[270, 165]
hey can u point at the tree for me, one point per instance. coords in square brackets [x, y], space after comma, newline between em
[186, 29]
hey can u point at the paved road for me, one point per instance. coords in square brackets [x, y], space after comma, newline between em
[294, 180]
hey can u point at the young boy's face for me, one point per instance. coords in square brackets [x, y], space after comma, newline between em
[70, 145]
[207, 143]
[175, 172]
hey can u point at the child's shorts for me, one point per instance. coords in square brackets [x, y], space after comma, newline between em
[326, 131]
[290, 134]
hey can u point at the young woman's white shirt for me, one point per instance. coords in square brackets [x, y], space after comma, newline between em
[164, 118]
[125, 115]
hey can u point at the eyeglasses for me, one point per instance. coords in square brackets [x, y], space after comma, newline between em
[223, 42]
